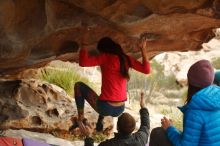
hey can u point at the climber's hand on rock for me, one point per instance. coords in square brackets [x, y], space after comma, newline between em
[143, 47]
[85, 129]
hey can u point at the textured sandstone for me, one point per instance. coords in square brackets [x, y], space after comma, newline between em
[33, 33]
[37, 106]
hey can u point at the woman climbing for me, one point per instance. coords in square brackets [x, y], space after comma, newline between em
[114, 64]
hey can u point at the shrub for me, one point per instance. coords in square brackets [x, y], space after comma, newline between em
[216, 63]
[64, 78]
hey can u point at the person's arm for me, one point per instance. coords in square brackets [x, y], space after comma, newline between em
[85, 60]
[143, 132]
[143, 67]
[144, 115]
[145, 122]
[191, 130]
[144, 50]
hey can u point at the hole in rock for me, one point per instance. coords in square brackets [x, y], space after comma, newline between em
[36, 120]
[52, 112]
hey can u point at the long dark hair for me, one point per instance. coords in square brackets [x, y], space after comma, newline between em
[107, 45]
[191, 91]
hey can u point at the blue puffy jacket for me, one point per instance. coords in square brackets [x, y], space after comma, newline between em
[201, 124]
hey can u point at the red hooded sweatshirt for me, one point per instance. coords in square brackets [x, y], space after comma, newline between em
[113, 83]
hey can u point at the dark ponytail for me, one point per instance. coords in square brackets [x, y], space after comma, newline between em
[123, 58]
[191, 91]
[107, 45]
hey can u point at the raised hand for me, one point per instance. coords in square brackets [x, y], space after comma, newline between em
[143, 47]
[142, 102]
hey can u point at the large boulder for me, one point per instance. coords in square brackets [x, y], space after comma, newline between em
[42, 107]
[29, 104]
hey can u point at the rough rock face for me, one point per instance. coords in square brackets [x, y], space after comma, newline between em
[34, 32]
[36, 106]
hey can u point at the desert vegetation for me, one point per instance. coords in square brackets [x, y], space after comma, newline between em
[216, 62]
[64, 76]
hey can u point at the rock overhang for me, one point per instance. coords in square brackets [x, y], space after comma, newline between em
[33, 33]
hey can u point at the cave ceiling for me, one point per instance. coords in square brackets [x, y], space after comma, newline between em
[35, 32]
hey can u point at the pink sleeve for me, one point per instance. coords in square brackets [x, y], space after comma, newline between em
[85, 60]
[143, 67]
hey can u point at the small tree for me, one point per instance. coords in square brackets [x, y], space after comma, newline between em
[155, 81]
